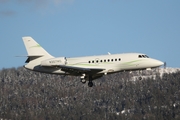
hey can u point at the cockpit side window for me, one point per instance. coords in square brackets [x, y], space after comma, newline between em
[147, 56]
[143, 56]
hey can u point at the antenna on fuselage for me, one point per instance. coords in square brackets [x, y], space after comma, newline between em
[109, 53]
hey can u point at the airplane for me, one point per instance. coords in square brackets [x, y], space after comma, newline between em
[88, 68]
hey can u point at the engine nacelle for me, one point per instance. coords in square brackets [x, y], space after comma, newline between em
[54, 62]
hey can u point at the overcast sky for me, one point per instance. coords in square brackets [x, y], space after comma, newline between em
[74, 28]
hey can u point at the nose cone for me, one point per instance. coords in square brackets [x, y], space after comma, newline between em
[157, 63]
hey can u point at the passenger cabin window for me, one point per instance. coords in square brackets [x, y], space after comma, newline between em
[106, 60]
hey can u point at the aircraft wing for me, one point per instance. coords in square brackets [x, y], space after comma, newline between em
[79, 70]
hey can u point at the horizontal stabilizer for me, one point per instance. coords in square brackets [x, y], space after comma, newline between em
[29, 56]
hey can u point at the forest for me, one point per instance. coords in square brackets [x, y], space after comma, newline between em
[28, 95]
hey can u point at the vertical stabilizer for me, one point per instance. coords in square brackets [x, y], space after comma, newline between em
[33, 48]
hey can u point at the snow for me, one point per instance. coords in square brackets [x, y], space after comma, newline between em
[168, 70]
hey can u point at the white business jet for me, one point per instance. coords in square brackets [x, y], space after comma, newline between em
[88, 68]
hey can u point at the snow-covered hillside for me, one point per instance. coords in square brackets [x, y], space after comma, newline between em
[168, 70]
[152, 73]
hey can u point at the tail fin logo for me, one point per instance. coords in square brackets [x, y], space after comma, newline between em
[35, 46]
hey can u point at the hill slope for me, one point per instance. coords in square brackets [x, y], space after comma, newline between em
[31, 95]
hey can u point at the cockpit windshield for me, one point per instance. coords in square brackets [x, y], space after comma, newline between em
[143, 56]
